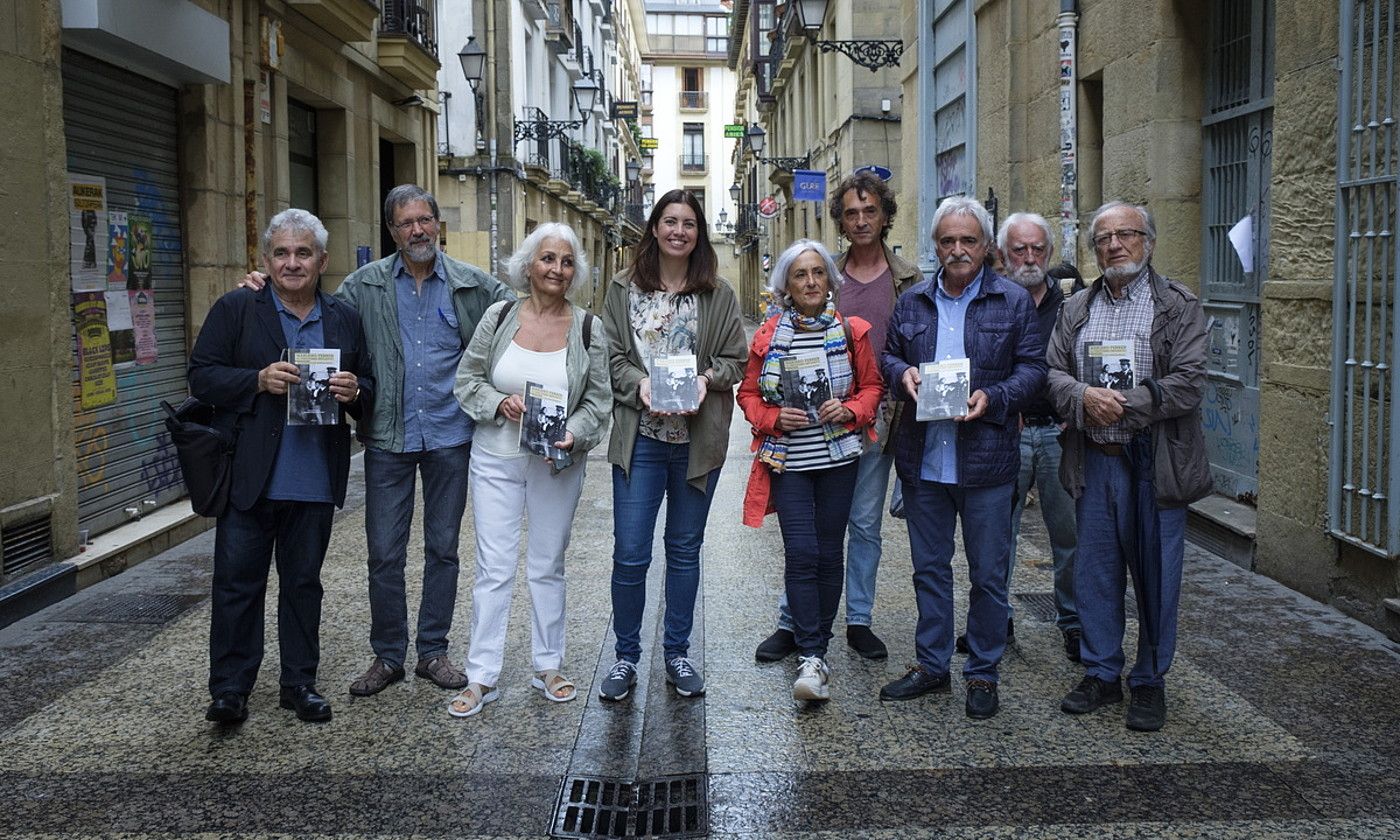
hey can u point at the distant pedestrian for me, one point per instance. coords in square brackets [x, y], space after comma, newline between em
[963, 468]
[806, 471]
[669, 302]
[545, 340]
[1120, 441]
[871, 277]
[287, 480]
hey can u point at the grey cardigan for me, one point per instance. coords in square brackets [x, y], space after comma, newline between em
[722, 350]
[590, 394]
[1169, 405]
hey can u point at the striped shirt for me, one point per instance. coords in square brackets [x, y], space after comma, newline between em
[1128, 318]
[807, 449]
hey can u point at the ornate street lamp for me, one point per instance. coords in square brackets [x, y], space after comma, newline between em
[811, 14]
[755, 137]
[585, 94]
[634, 170]
[473, 59]
[735, 191]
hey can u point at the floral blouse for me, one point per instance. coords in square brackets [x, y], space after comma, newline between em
[663, 324]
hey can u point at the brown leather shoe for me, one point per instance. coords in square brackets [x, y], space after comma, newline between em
[376, 679]
[439, 669]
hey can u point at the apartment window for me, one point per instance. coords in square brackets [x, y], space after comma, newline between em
[764, 10]
[699, 193]
[716, 34]
[692, 88]
[693, 147]
[301, 156]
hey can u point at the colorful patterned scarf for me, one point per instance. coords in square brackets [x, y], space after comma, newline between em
[841, 443]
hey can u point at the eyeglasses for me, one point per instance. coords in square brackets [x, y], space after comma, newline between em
[1020, 250]
[424, 222]
[1126, 237]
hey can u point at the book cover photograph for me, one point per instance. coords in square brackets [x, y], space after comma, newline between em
[943, 390]
[1109, 364]
[542, 424]
[806, 384]
[310, 402]
[674, 384]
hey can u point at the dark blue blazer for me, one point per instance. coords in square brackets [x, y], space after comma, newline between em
[1002, 340]
[241, 336]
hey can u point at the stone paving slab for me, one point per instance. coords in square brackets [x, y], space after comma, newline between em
[1282, 718]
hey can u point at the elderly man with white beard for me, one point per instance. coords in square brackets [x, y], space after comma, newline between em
[1124, 437]
[1026, 245]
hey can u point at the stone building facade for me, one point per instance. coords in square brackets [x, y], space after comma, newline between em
[1220, 115]
[167, 148]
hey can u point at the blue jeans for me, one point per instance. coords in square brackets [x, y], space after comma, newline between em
[1106, 525]
[658, 471]
[813, 506]
[863, 540]
[389, 483]
[244, 545]
[932, 510]
[1040, 467]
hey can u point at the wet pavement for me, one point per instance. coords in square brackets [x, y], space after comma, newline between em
[1282, 717]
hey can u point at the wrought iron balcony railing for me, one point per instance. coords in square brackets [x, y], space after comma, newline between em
[695, 100]
[413, 18]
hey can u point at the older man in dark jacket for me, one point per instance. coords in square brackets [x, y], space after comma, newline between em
[287, 479]
[1153, 331]
[966, 466]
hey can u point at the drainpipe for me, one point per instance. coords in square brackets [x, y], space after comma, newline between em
[1068, 23]
[491, 140]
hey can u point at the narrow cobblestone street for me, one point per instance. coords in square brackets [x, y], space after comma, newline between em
[1282, 716]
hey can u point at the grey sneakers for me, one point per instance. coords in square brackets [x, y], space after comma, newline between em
[813, 679]
[681, 673]
[619, 681]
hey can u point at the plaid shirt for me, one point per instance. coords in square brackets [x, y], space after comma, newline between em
[1128, 318]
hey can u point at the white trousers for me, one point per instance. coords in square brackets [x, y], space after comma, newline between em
[502, 489]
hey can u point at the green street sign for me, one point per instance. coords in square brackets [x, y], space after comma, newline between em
[736, 131]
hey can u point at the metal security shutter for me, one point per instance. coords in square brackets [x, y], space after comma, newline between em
[122, 127]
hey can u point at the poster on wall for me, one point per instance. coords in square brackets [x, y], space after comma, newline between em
[118, 303]
[143, 323]
[142, 240]
[87, 249]
[96, 376]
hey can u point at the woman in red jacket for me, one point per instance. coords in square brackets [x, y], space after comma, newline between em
[811, 391]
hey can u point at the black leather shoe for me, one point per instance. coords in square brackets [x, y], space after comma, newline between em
[776, 647]
[916, 683]
[1091, 694]
[1072, 637]
[982, 701]
[1147, 711]
[960, 645]
[864, 642]
[229, 707]
[309, 706]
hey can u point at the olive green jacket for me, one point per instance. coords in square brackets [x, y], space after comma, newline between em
[722, 350]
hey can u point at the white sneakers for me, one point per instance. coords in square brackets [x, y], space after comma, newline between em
[813, 679]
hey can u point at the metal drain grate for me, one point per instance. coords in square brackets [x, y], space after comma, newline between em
[673, 806]
[131, 609]
[1041, 605]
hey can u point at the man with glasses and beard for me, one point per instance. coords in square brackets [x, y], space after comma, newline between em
[419, 308]
[1145, 443]
[1026, 245]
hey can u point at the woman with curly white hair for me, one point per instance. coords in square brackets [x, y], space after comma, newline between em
[546, 340]
[805, 466]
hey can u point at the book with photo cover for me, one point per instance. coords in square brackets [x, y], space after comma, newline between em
[943, 390]
[806, 383]
[310, 402]
[542, 425]
[674, 384]
[1110, 364]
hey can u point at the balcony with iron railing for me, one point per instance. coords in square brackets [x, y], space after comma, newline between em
[692, 164]
[694, 100]
[408, 42]
[559, 27]
[573, 166]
